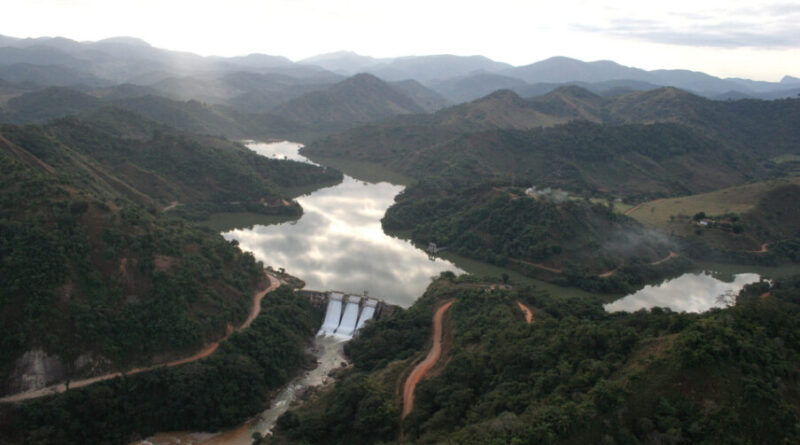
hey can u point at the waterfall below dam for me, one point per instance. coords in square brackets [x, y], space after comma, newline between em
[345, 315]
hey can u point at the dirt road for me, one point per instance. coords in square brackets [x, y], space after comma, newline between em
[665, 259]
[171, 206]
[424, 366]
[61, 387]
[527, 311]
[538, 266]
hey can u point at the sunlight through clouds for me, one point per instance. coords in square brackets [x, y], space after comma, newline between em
[712, 36]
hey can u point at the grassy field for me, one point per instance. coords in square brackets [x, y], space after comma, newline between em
[730, 200]
[619, 207]
[674, 215]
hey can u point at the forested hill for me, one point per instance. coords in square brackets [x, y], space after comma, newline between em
[505, 227]
[94, 276]
[750, 127]
[576, 374]
[354, 101]
[154, 165]
[360, 99]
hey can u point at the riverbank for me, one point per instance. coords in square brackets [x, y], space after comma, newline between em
[330, 356]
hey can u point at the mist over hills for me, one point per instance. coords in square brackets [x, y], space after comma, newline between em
[258, 82]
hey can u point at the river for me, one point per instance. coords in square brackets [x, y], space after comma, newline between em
[338, 244]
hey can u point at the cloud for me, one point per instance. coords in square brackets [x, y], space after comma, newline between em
[773, 26]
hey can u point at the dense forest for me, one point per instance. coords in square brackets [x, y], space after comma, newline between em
[577, 374]
[501, 225]
[746, 127]
[94, 276]
[220, 391]
[158, 165]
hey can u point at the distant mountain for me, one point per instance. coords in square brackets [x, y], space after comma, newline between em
[343, 62]
[430, 68]
[49, 103]
[246, 91]
[63, 62]
[426, 98]
[310, 110]
[602, 88]
[50, 75]
[790, 80]
[732, 95]
[421, 68]
[125, 59]
[473, 86]
[567, 70]
[359, 99]
[749, 129]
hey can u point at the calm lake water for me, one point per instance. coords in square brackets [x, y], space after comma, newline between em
[691, 292]
[339, 244]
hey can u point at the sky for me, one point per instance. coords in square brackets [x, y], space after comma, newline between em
[727, 38]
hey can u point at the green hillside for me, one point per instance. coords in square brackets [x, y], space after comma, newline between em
[576, 374]
[758, 219]
[156, 166]
[306, 115]
[571, 241]
[221, 391]
[765, 128]
[93, 273]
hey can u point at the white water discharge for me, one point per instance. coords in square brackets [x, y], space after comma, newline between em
[348, 325]
[367, 312]
[332, 315]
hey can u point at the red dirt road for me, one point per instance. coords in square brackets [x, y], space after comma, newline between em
[424, 366]
[527, 311]
[61, 387]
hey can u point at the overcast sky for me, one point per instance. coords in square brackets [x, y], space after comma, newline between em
[727, 38]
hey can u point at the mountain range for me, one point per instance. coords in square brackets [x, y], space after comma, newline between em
[258, 82]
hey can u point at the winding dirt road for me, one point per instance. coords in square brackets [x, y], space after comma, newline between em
[61, 387]
[527, 311]
[424, 366]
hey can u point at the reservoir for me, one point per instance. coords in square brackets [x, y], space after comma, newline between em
[690, 292]
[339, 243]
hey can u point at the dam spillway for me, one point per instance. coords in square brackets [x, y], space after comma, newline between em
[332, 315]
[345, 314]
[348, 324]
[367, 313]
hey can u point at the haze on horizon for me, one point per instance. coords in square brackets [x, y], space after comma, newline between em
[731, 38]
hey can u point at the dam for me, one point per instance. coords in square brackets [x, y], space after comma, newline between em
[345, 314]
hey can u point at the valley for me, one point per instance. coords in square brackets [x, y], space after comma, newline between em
[423, 249]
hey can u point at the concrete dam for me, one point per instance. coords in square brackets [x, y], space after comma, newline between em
[346, 314]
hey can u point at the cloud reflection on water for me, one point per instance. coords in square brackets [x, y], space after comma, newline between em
[339, 243]
[691, 292]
